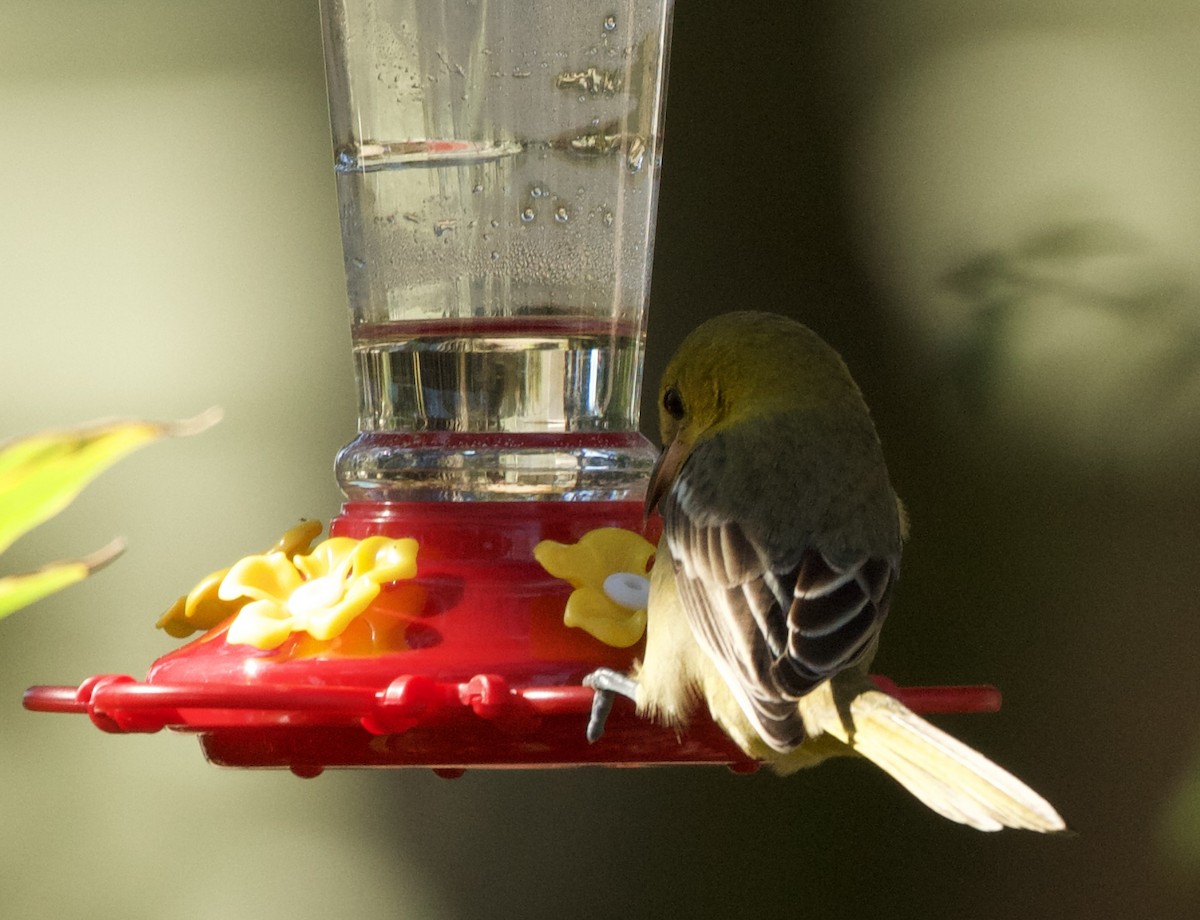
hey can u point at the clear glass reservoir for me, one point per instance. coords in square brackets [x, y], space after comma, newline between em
[497, 164]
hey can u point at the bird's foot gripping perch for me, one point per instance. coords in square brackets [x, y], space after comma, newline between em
[607, 683]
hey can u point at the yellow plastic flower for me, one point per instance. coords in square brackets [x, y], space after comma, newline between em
[319, 593]
[607, 568]
[202, 609]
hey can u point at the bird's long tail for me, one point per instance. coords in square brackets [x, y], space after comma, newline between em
[951, 778]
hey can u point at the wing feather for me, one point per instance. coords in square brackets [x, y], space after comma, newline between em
[776, 611]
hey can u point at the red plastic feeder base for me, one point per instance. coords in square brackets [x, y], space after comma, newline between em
[415, 721]
[478, 670]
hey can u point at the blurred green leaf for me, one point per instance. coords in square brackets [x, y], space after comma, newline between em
[17, 591]
[1079, 240]
[43, 473]
[1181, 819]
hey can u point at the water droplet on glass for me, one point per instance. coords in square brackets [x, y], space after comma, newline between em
[610, 22]
[635, 154]
[537, 192]
[608, 218]
[495, 224]
[495, 256]
[561, 214]
[527, 215]
[478, 188]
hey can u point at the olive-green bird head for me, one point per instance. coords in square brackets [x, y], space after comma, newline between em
[742, 368]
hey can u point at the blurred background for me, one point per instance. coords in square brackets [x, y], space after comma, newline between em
[992, 210]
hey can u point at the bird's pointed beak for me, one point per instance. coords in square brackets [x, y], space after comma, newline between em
[666, 468]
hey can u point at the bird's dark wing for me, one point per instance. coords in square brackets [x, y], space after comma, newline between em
[776, 612]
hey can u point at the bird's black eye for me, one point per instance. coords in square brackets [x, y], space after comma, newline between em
[673, 403]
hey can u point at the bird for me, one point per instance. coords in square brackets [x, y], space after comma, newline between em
[780, 551]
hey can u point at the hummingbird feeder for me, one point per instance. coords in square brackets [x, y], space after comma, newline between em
[497, 166]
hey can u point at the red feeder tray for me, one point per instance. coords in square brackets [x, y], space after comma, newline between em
[477, 668]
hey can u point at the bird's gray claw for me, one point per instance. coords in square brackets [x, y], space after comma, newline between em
[602, 704]
[606, 683]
